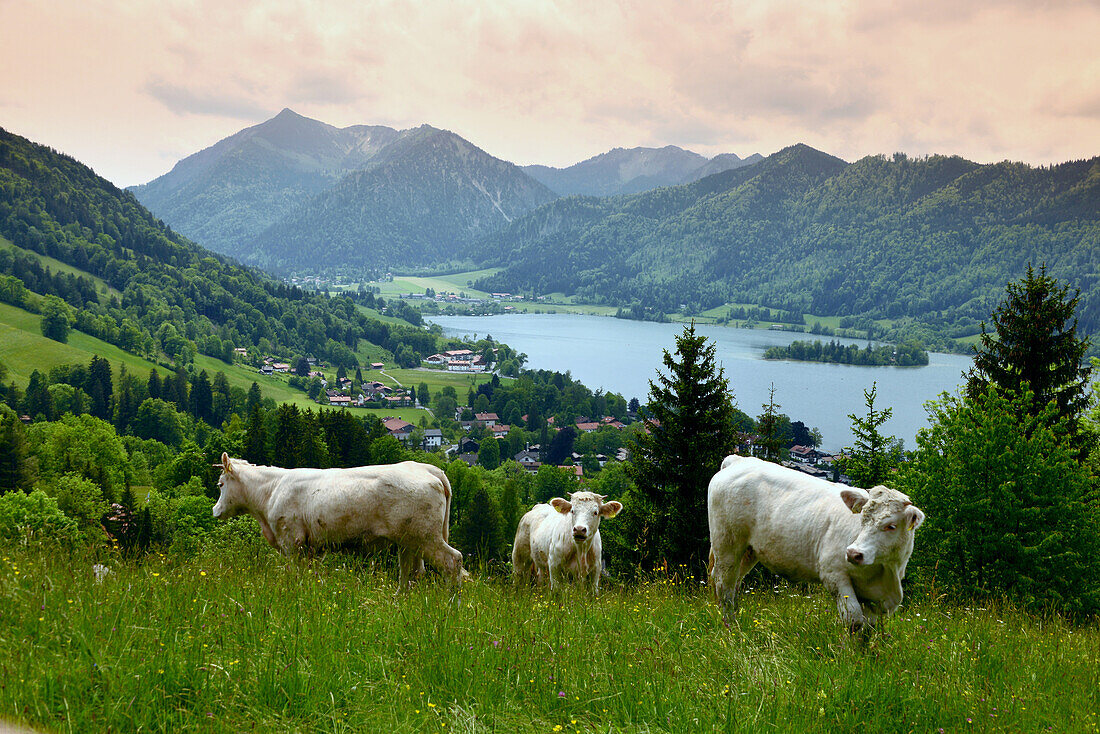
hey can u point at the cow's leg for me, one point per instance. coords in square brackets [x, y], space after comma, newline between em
[847, 604]
[407, 561]
[728, 569]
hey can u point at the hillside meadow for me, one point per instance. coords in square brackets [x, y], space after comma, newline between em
[234, 637]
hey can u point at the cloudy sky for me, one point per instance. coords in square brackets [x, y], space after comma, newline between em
[130, 87]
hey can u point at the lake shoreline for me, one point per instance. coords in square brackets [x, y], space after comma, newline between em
[622, 356]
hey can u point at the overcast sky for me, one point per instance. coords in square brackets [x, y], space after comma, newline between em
[130, 87]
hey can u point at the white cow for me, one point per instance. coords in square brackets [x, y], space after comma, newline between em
[855, 542]
[561, 540]
[307, 509]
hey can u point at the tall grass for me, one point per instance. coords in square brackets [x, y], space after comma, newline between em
[239, 638]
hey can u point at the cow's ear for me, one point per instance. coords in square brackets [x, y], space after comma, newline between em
[562, 506]
[914, 517]
[854, 498]
[226, 466]
[611, 509]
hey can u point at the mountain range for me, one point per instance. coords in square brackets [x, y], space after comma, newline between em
[634, 170]
[933, 238]
[280, 193]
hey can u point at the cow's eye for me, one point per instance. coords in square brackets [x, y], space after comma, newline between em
[890, 526]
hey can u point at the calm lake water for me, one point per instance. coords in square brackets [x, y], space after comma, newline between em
[622, 356]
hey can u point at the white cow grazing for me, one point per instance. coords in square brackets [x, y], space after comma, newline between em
[561, 540]
[855, 542]
[306, 509]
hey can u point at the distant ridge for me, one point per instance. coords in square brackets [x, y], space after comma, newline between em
[933, 239]
[240, 188]
[633, 170]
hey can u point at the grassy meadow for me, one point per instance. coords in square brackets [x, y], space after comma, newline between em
[235, 637]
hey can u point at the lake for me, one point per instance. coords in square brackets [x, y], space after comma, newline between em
[622, 356]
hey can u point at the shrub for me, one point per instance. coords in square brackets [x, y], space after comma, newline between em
[1010, 509]
[34, 516]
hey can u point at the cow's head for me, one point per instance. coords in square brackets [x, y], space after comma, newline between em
[585, 510]
[231, 501]
[887, 524]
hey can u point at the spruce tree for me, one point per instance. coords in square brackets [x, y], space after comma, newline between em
[690, 432]
[767, 426]
[16, 469]
[255, 443]
[1035, 346]
[874, 456]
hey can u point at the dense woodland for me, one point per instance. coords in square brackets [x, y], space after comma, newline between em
[928, 243]
[908, 354]
[161, 295]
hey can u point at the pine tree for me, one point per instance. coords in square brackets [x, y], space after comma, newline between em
[767, 426]
[480, 533]
[690, 432]
[99, 387]
[1035, 345]
[874, 457]
[255, 443]
[37, 401]
[16, 469]
[255, 397]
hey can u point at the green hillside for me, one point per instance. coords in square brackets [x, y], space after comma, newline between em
[930, 241]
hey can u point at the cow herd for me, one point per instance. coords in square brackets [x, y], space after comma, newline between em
[856, 542]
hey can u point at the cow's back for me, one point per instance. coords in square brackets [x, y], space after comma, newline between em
[391, 501]
[789, 519]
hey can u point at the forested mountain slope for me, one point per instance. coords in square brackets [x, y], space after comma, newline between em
[295, 193]
[174, 298]
[423, 199]
[933, 238]
[227, 194]
[634, 170]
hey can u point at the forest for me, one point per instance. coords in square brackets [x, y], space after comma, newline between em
[909, 354]
[927, 243]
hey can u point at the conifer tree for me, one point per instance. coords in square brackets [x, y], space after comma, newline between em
[690, 432]
[16, 469]
[255, 443]
[874, 456]
[767, 426]
[37, 401]
[1035, 345]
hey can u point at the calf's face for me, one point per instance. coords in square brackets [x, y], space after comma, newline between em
[585, 509]
[888, 519]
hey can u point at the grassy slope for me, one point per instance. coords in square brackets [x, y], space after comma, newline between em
[58, 266]
[242, 638]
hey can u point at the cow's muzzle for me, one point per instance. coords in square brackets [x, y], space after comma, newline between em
[855, 557]
[580, 534]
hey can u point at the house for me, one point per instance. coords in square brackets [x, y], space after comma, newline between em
[587, 427]
[459, 365]
[281, 367]
[377, 365]
[500, 430]
[399, 429]
[435, 359]
[433, 439]
[240, 350]
[528, 460]
[489, 419]
[470, 459]
[340, 400]
[397, 401]
[468, 445]
[804, 453]
[266, 369]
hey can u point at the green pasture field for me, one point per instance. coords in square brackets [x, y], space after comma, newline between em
[57, 266]
[238, 638]
[436, 380]
[23, 349]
